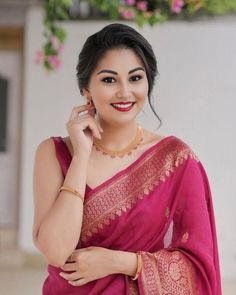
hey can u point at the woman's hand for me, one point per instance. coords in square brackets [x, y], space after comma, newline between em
[82, 128]
[88, 264]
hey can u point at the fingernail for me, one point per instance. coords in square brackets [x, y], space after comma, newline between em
[61, 274]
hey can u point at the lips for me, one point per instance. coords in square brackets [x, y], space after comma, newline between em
[123, 106]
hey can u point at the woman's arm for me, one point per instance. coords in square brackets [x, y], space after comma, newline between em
[93, 263]
[58, 217]
[124, 262]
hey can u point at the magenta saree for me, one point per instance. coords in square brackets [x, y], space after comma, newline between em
[161, 206]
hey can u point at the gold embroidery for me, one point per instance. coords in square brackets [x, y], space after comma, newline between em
[123, 192]
[133, 288]
[185, 237]
[167, 213]
[149, 275]
[167, 273]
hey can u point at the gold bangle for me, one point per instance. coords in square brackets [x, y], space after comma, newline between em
[71, 190]
[140, 262]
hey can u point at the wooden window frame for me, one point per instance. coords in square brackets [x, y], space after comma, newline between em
[11, 38]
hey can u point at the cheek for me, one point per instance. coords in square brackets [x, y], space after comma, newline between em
[141, 92]
[102, 93]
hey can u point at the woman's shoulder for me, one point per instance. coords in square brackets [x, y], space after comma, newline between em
[173, 146]
[49, 141]
[46, 152]
[56, 148]
[170, 140]
[182, 148]
[45, 144]
[50, 144]
[55, 139]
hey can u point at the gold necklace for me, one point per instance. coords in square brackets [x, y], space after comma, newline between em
[120, 153]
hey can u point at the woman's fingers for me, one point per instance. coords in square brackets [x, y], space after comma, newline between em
[70, 276]
[78, 110]
[92, 125]
[79, 282]
[86, 121]
[70, 267]
[98, 126]
[92, 111]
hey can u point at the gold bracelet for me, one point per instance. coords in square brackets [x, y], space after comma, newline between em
[71, 190]
[140, 262]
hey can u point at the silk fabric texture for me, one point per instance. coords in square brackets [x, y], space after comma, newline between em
[159, 206]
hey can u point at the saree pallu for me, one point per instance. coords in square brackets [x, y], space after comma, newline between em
[159, 206]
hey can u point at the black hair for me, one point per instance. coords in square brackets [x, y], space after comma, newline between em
[116, 35]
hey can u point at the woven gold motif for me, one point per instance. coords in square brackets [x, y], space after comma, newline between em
[133, 288]
[123, 192]
[167, 212]
[167, 273]
[185, 237]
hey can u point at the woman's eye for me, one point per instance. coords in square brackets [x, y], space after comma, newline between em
[136, 78]
[108, 79]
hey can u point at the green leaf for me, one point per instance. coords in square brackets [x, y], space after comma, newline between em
[58, 10]
[60, 33]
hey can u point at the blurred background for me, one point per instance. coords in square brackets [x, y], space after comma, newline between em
[194, 96]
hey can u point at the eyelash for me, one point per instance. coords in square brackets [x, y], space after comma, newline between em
[140, 77]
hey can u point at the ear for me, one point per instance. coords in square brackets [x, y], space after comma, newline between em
[86, 92]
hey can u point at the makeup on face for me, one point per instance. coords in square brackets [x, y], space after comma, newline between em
[119, 85]
[123, 106]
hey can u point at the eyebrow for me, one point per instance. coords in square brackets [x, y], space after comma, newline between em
[115, 73]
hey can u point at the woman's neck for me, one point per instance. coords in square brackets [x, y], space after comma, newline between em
[118, 137]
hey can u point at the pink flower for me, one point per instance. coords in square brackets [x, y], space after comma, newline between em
[130, 2]
[54, 61]
[39, 57]
[142, 5]
[177, 5]
[55, 42]
[128, 14]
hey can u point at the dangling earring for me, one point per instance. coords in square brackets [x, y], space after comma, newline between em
[90, 103]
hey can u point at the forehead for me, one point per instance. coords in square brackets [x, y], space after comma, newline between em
[119, 59]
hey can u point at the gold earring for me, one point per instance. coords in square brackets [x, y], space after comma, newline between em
[89, 102]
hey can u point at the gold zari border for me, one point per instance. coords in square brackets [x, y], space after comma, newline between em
[133, 288]
[167, 273]
[125, 191]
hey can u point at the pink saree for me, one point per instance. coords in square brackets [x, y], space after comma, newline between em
[161, 206]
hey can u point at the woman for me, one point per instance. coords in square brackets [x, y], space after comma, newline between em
[119, 209]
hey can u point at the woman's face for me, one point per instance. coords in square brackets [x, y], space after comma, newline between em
[118, 86]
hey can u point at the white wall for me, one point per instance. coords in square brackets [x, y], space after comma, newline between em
[195, 98]
[10, 65]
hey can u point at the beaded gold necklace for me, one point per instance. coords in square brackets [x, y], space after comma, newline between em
[120, 153]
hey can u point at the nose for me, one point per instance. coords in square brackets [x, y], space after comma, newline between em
[123, 90]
